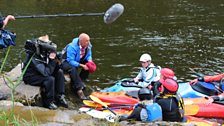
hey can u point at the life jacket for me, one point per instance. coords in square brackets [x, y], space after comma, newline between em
[150, 111]
[154, 112]
[154, 70]
[173, 114]
[144, 81]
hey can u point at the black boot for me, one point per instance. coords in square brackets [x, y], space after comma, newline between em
[52, 106]
[61, 101]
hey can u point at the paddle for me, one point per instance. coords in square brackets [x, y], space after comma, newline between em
[111, 107]
[191, 109]
[102, 103]
[109, 16]
[95, 104]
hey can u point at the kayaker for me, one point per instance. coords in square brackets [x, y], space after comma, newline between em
[44, 71]
[164, 74]
[146, 110]
[4, 22]
[149, 73]
[78, 54]
[171, 103]
[215, 78]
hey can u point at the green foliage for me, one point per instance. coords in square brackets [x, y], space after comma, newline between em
[12, 119]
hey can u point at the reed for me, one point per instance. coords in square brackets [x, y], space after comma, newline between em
[10, 118]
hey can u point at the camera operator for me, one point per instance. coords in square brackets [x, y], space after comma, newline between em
[44, 71]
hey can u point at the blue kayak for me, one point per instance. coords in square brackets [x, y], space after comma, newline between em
[123, 85]
[186, 91]
[201, 89]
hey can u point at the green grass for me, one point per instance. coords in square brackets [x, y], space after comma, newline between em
[9, 117]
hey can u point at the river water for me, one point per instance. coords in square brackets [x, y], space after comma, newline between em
[179, 34]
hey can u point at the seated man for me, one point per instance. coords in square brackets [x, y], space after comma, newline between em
[78, 54]
[45, 72]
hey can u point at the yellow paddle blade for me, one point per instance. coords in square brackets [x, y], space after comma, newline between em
[97, 100]
[102, 103]
[191, 109]
[91, 103]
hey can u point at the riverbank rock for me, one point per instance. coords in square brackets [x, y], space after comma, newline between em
[24, 93]
[45, 117]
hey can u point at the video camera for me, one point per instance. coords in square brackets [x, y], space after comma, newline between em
[39, 47]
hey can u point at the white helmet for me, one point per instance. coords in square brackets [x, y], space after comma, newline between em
[145, 57]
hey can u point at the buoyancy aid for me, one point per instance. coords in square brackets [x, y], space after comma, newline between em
[150, 111]
[167, 102]
[149, 75]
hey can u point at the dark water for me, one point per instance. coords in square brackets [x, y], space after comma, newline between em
[179, 34]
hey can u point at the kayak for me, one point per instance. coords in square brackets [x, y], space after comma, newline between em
[98, 114]
[207, 108]
[115, 97]
[93, 104]
[186, 91]
[211, 110]
[201, 89]
[200, 122]
[123, 85]
[202, 107]
[209, 89]
[107, 115]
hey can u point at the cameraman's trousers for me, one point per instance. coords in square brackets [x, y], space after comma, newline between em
[52, 85]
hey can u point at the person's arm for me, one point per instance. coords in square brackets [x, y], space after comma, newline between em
[138, 77]
[71, 56]
[208, 78]
[84, 66]
[6, 20]
[213, 78]
[45, 70]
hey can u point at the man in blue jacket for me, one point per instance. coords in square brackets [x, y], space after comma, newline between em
[78, 54]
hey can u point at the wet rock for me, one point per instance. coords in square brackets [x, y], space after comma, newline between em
[6, 103]
[3, 96]
[24, 93]
[57, 117]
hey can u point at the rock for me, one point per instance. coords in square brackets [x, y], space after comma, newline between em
[48, 117]
[5, 103]
[72, 117]
[3, 96]
[23, 92]
[67, 78]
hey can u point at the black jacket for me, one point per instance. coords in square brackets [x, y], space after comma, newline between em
[170, 109]
[39, 67]
[1, 22]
